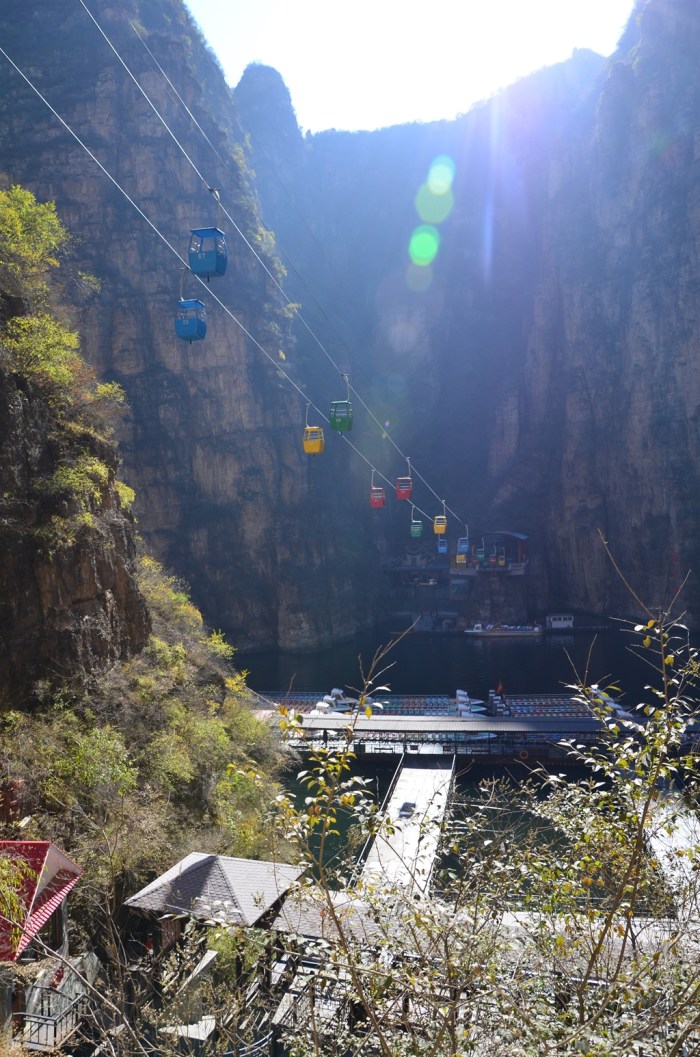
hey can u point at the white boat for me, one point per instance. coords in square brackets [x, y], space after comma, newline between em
[502, 631]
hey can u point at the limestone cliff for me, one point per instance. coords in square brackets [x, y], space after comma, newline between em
[606, 419]
[69, 604]
[543, 378]
[212, 444]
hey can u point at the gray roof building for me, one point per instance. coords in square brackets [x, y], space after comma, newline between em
[234, 891]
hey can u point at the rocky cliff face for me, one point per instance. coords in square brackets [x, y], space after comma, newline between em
[70, 607]
[542, 375]
[614, 346]
[212, 444]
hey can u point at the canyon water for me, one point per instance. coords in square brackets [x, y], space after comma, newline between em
[443, 663]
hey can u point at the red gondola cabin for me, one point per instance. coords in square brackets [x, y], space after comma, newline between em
[404, 487]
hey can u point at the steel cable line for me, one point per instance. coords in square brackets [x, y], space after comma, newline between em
[262, 263]
[169, 245]
[155, 228]
[175, 252]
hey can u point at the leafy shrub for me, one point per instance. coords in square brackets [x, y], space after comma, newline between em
[125, 495]
[40, 348]
[83, 481]
[31, 237]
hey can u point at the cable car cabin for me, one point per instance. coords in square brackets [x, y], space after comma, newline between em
[404, 487]
[207, 253]
[341, 416]
[442, 546]
[416, 529]
[377, 496]
[440, 525]
[191, 319]
[313, 440]
[463, 545]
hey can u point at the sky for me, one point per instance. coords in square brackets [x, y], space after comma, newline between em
[372, 63]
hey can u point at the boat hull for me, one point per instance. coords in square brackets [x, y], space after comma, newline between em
[522, 631]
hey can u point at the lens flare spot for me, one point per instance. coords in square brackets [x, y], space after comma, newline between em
[419, 277]
[441, 174]
[424, 244]
[433, 207]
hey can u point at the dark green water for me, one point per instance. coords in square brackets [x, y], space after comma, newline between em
[439, 664]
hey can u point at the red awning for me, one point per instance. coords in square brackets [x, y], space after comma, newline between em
[52, 876]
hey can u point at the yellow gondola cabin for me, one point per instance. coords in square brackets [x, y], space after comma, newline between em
[313, 440]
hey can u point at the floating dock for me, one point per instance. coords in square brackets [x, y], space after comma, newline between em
[518, 727]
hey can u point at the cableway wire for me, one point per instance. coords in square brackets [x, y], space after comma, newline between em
[262, 263]
[175, 252]
[298, 315]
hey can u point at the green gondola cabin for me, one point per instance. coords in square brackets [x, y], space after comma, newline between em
[341, 416]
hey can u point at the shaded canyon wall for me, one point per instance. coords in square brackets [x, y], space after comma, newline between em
[546, 379]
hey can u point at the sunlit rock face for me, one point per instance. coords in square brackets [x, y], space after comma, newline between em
[616, 327]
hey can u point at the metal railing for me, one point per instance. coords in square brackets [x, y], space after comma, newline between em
[55, 1019]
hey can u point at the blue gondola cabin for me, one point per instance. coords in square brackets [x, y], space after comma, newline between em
[207, 253]
[191, 319]
[442, 546]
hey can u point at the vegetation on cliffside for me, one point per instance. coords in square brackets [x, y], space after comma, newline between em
[70, 602]
[160, 757]
[135, 754]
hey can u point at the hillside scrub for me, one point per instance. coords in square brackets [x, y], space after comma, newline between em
[161, 757]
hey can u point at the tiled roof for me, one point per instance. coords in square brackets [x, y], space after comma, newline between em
[238, 891]
[53, 874]
[307, 913]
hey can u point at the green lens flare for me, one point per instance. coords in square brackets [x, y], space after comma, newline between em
[432, 207]
[441, 174]
[424, 244]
